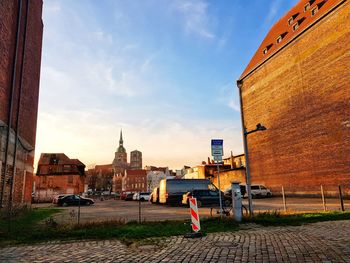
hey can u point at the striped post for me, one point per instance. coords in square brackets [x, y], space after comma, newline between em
[196, 227]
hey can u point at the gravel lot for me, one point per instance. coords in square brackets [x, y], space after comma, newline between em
[129, 210]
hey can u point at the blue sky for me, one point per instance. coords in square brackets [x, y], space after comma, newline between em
[164, 71]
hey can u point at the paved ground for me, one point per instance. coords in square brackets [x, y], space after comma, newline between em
[321, 242]
[129, 210]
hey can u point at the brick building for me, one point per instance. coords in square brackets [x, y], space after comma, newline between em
[297, 85]
[100, 177]
[21, 30]
[136, 160]
[57, 174]
[120, 161]
[135, 181]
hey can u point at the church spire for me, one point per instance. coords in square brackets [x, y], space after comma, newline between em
[121, 148]
[121, 138]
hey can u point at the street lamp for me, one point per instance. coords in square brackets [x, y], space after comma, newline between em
[259, 127]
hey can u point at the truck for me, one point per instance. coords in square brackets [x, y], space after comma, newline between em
[172, 190]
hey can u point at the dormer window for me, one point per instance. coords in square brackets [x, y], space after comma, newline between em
[314, 10]
[295, 26]
[290, 20]
[306, 6]
[266, 49]
[279, 39]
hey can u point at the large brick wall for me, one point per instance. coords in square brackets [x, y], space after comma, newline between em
[48, 186]
[30, 88]
[302, 95]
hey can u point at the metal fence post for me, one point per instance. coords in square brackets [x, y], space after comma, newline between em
[323, 199]
[341, 199]
[284, 200]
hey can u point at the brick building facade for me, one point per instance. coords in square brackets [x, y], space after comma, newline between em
[57, 174]
[297, 85]
[21, 30]
[135, 181]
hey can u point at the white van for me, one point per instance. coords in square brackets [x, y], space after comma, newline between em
[260, 191]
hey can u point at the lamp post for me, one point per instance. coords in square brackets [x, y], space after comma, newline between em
[259, 127]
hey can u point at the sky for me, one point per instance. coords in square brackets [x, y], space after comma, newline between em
[163, 71]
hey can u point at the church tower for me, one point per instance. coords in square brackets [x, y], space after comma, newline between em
[120, 162]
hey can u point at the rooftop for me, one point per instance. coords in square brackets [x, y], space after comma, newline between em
[303, 15]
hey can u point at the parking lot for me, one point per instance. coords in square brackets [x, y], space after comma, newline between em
[129, 210]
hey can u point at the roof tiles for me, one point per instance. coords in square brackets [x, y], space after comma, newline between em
[292, 24]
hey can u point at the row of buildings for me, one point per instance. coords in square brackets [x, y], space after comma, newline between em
[296, 84]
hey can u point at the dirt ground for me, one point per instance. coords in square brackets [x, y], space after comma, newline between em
[129, 210]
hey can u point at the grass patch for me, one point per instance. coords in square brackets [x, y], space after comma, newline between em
[23, 225]
[27, 229]
[278, 219]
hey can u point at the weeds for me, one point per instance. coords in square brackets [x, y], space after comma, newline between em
[30, 227]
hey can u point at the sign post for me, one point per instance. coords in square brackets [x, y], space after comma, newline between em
[217, 151]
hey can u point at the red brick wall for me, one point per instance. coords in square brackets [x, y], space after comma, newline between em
[30, 80]
[302, 95]
[50, 185]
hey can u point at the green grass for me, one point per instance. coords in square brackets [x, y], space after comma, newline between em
[28, 229]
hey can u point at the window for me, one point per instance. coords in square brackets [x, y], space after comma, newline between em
[295, 26]
[265, 51]
[314, 10]
[290, 21]
[255, 187]
[306, 6]
[279, 39]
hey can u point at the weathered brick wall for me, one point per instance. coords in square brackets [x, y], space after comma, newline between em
[302, 95]
[31, 75]
[46, 187]
[226, 177]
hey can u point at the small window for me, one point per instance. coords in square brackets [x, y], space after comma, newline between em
[306, 6]
[314, 10]
[295, 26]
[279, 39]
[265, 51]
[290, 20]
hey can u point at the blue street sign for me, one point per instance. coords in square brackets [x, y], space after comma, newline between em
[217, 150]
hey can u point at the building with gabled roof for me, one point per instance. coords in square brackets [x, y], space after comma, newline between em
[297, 85]
[58, 174]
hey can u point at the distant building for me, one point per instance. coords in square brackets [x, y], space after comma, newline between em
[120, 162]
[297, 85]
[20, 60]
[136, 160]
[155, 174]
[57, 174]
[135, 181]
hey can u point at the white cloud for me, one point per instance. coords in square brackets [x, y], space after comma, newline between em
[163, 141]
[195, 17]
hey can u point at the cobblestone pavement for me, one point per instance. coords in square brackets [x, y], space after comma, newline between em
[319, 242]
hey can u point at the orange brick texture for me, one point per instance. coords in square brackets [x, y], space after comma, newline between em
[302, 95]
[30, 80]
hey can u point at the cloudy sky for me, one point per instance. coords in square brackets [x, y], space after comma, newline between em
[163, 71]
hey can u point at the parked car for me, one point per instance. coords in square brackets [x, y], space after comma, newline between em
[171, 190]
[129, 197]
[55, 199]
[243, 191]
[74, 200]
[135, 197]
[260, 191]
[207, 198]
[144, 196]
